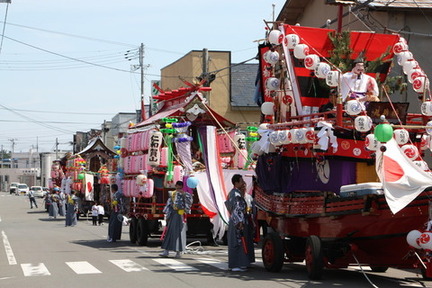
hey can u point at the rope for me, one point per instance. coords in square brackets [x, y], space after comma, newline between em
[364, 274]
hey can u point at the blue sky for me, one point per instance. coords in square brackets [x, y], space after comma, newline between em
[62, 66]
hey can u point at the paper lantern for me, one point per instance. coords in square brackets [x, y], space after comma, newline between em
[192, 182]
[267, 108]
[310, 135]
[383, 132]
[271, 57]
[147, 190]
[81, 176]
[426, 108]
[408, 65]
[404, 56]
[413, 238]
[400, 47]
[410, 151]
[292, 40]
[292, 135]
[275, 37]
[274, 138]
[420, 84]
[322, 69]
[414, 73]
[141, 180]
[332, 78]
[155, 142]
[311, 61]
[300, 136]
[424, 142]
[425, 240]
[429, 130]
[353, 107]
[401, 136]
[371, 143]
[301, 51]
[363, 123]
[239, 140]
[422, 165]
[272, 83]
[283, 137]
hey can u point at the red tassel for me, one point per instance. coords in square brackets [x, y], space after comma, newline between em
[244, 244]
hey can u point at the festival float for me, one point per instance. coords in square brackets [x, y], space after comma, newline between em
[184, 141]
[348, 185]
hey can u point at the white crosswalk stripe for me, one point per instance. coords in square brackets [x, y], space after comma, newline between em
[215, 263]
[34, 270]
[175, 265]
[83, 267]
[128, 265]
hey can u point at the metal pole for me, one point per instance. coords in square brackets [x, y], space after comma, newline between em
[141, 63]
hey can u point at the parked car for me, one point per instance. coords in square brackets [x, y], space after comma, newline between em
[38, 191]
[13, 187]
[23, 189]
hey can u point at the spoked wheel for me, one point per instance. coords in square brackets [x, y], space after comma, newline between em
[380, 269]
[273, 252]
[133, 230]
[314, 258]
[142, 232]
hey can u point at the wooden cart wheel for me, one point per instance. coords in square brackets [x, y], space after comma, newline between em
[133, 230]
[142, 232]
[273, 252]
[380, 269]
[314, 258]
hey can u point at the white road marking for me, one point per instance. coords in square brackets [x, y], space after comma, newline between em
[175, 265]
[34, 270]
[9, 253]
[83, 267]
[128, 265]
[213, 262]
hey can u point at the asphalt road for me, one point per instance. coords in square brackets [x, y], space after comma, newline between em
[42, 252]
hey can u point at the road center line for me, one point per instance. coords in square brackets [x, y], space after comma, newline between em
[8, 249]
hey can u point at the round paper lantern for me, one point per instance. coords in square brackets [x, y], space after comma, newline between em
[401, 136]
[311, 61]
[274, 138]
[425, 240]
[275, 37]
[410, 151]
[371, 143]
[408, 65]
[429, 130]
[81, 176]
[272, 83]
[264, 126]
[414, 73]
[420, 83]
[300, 135]
[424, 142]
[332, 78]
[400, 47]
[426, 108]
[283, 137]
[363, 123]
[422, 165]
[192, 182]
[404, 56]
[271, 57]
[141, 180]
[292, 40]
[301, 51]
[353, 107]
[413, 238]
[292, 136]
[267, 108]
[322, 69]
[383, 132]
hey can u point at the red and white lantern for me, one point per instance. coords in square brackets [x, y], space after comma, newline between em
[408, 65]
[425, 241]
[404, 56]
[424, 142]
[400, 47]
[310, 135]
[414, 73]
[420, 84]
[371, 143]
[413, 238]
[301, 51]
[311, 61]
[275, 37]
[410, 151]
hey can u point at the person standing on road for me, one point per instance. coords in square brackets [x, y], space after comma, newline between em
[94, 213]
[101, 213]
[116, 218]
[71, 209]
[32, 199]
[178, 205]
[240, 231]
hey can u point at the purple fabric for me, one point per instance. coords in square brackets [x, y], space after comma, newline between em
[278, 174]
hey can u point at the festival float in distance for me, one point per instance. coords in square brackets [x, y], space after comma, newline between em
[348, 185]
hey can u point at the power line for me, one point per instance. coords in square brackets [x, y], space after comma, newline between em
[58, 112]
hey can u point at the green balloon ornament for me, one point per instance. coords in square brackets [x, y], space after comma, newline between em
[383, 132]
[80, 176]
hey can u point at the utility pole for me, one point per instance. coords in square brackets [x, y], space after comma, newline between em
[56, 149]
[141, 63]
